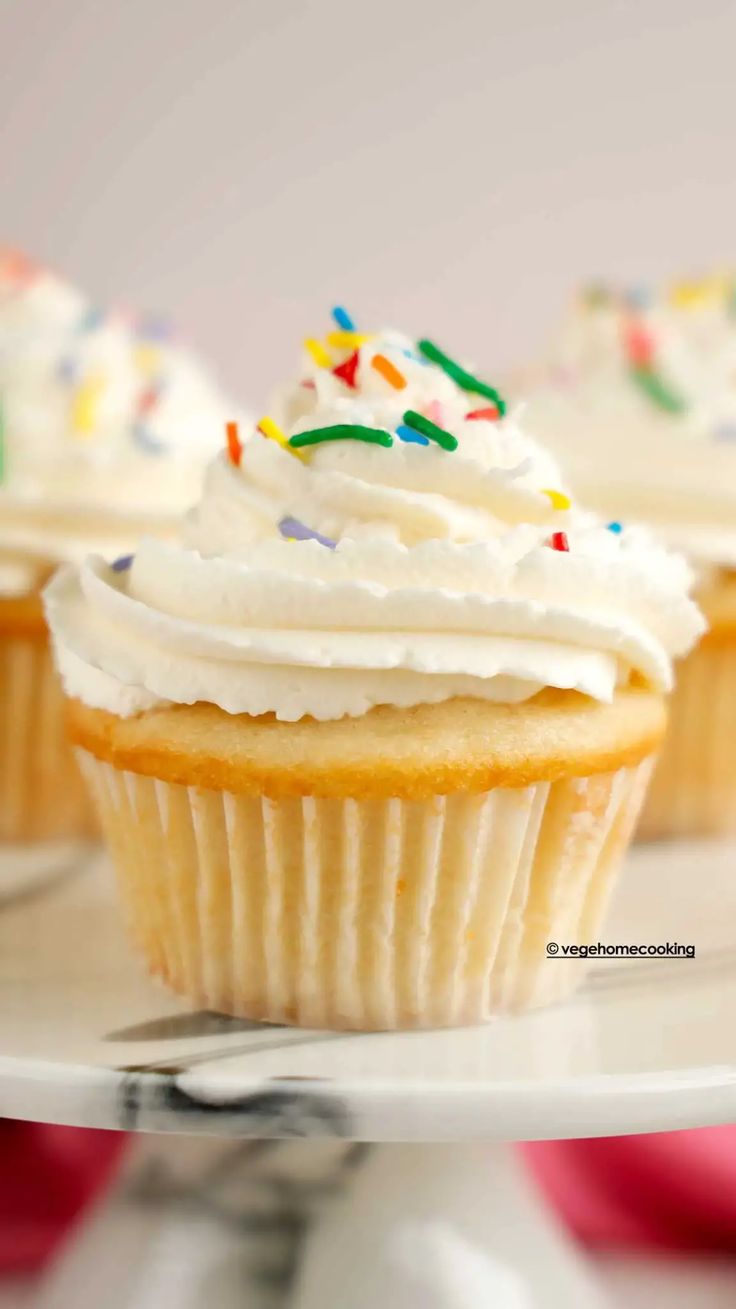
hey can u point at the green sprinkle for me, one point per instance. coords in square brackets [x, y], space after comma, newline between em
[656, 390]
[464, 380]
[342, 432]
[430, 430]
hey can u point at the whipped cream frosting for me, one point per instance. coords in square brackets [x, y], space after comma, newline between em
[427, 572]
[107, 424]
[638, 400]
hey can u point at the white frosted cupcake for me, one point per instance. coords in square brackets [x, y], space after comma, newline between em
[105, 428]
[639, 403]
[379, 727]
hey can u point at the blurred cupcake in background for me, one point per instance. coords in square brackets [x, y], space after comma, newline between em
[105, 427]
[638, 400]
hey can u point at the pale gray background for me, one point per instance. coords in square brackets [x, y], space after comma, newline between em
[450, 167]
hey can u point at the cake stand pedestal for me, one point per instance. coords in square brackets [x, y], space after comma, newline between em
[266, 1194]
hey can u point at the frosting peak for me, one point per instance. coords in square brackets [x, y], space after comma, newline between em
[336, 562]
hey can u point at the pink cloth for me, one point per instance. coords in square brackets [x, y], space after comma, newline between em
[672, 1190]
[47, 1176]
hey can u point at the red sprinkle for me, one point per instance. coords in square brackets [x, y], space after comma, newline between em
[234, 444]
[490, 414]
[638, 344]
[348, 370]
[16, 266]
[147, 400]
[559, 541]
[308, 385]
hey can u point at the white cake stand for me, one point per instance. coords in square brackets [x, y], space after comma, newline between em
[87, 1039]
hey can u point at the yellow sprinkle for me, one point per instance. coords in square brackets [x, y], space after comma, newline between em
[84, 406]
[349, 340]
[693, 295]
[272, 430]
[147, 358]
[559, 500]
[318, 352]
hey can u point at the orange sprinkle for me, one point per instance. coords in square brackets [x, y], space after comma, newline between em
[392, 375]
[400, 886]
[234, 444]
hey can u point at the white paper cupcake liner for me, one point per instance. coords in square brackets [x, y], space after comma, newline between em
[366, 914]
[693, 790]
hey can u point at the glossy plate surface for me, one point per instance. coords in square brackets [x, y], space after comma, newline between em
[86, 1038]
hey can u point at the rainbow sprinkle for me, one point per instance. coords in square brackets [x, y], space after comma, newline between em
[342, 340]
[294, 530]
[559, 541]
[85, 403]
[146, 440]
[347, 371]
[153, 328]
[558, 499]
[656, 390]
[343, 319]
[465, 380]
[409, 435]
[429, 429]
[639, 348]
[234, 444]
[341, 432]
[268, 428]
[615, 527]
[489, 415]
[317, 352]
[389, 372]
[122, 564]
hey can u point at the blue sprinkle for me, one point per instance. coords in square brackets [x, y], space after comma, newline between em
[418, 359]
[143, 438]
[291, 527]
[615, 527]
[91, 319]
[121, 564]
[410, 436]
[343, 319]
[638, 297]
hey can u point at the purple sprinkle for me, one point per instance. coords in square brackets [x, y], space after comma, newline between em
[725, 432]
[154, 329]
[68, 369]
[408, 434]
[120, 565]
[291, 527]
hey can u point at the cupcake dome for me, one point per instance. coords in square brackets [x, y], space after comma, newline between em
[638, 399]
[400, 541]
[107, 423]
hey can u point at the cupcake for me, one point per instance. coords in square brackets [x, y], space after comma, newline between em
[378, 728]
[639, 403]
[105, 428]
